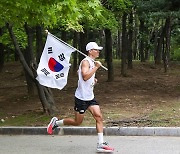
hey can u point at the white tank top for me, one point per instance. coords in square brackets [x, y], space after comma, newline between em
[84, 90]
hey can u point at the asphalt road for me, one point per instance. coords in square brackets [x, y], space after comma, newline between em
[45, 144]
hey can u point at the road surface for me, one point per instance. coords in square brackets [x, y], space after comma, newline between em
[45, 144]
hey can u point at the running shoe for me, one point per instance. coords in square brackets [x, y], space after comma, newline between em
[104, 147]
[52, 125]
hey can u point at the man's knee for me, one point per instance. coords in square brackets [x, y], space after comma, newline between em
[98, 117]
[77, 123]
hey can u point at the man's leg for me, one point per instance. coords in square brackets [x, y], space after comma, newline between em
[102, 146]
[96, 112]
[67, 121]
[78, 119]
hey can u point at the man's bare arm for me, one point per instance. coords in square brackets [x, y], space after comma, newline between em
[86, 72]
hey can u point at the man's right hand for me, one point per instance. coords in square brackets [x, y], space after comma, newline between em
[98, 64]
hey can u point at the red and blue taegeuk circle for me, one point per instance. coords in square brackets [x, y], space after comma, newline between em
[54, 65]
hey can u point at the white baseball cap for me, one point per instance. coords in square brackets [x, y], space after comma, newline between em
[93, 45]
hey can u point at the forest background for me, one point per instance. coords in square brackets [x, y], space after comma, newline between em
[141, 40]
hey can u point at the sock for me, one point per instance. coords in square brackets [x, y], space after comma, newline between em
[60, 122]
[100, 138]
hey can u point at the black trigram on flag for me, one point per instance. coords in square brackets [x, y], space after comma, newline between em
[45, 71]
[50, 50]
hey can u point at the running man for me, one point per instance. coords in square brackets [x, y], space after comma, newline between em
[84, 98]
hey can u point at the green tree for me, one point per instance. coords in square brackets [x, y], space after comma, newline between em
[159, 18]
[33, 13]
[114, 10]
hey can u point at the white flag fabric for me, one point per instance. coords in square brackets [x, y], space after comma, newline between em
[54, 63]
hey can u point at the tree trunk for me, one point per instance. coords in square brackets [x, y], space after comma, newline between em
[75, 58]
[167, 30]
[108, 48]
[124, 46]
[135, 38]
[158, 56]
[147, 43]
[29, 57]
[39, 43]
[1, 52]
[119, 46]
[1, 56]
[141, 49]
[155, 42]
[82, 44]
[64, 35]
[147, 51]
[15, 56]
[44, 94]
[102, 43]
[130, 42]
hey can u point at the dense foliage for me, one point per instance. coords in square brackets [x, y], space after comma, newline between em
[128, 29]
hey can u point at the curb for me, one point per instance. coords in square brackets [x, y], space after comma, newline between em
[110, 131]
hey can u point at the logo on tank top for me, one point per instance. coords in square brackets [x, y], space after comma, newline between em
[92, 85]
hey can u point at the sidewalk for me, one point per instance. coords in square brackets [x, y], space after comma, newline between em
[110, 131]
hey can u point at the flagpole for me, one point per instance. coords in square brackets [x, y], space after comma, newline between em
[74, 48]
